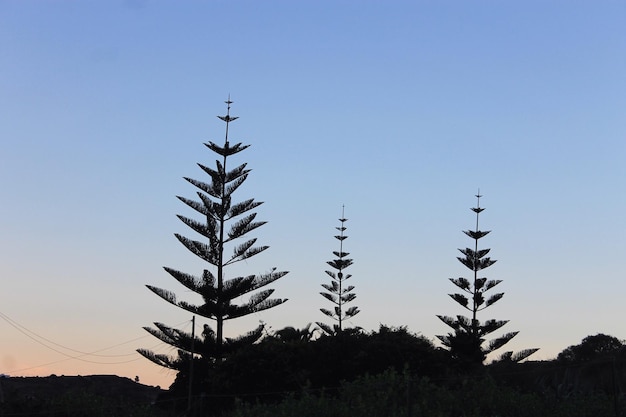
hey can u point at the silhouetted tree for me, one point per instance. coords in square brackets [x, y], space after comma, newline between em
[465, 343]
[223, 222]
[336, 292]
[592, 347]
[290, 333]
[282, 366]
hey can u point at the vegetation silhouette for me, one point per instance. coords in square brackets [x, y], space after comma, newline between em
[224, 222]
[599, 346]
[466, 342]
[336, 292]
[348, 371]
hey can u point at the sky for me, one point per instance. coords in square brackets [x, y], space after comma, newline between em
[397, 112]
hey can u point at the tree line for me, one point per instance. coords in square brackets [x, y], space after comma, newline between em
[218, 372]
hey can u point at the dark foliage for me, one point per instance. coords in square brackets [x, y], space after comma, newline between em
[267, 371]
[402, 394]
[224, 225]
[466, 343]
[392, 373]
[337, 292]
[599, 346]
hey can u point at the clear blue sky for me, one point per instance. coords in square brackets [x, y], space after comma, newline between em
[398, 110]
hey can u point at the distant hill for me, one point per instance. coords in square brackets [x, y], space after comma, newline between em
[29, 393]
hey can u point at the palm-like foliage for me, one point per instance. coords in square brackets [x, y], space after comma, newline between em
[467, 341]
[337, 292]
[291, 334]
[223, 223]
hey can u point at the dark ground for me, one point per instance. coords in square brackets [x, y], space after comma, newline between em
[17, 389]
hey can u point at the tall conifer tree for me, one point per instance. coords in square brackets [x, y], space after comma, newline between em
[466, 341]
[223, 223]
[337, 292]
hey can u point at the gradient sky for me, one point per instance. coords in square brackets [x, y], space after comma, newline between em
[398, 110]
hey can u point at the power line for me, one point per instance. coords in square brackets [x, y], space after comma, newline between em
[84, 360]
[38, 339]
[32, 335]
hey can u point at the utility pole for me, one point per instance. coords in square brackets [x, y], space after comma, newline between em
[615, 390]
[193, 338]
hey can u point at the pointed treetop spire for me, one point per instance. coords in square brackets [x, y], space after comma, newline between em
[341, 229]
[337, 292]
[477, 209]
[228, 118]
